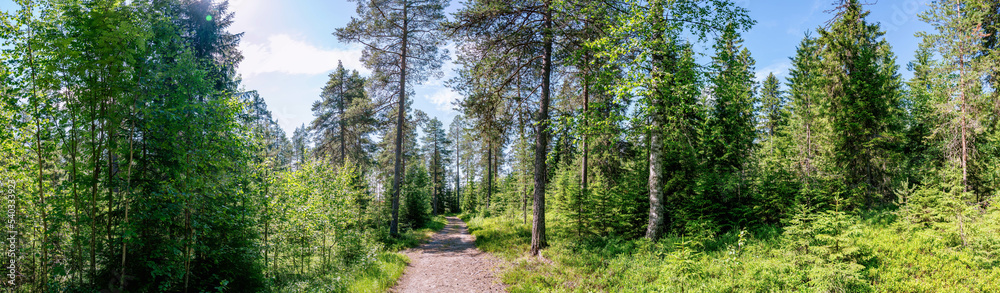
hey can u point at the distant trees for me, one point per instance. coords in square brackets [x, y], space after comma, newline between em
[437, 148]
[517, 36]
[402, 41]
[344, 119]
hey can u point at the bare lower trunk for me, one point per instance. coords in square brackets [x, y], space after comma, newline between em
[656, 216]
[489, 175]
[656, 213]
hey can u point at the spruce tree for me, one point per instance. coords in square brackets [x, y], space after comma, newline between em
[862, 89]
[729, 131]
[772, 102]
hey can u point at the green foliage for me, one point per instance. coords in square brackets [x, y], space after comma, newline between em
[818, 252]
[614, 205]
[344, 119]
[415, 211]
[862, 85]
[825, 246]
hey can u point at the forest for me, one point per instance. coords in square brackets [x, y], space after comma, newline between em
[601, 146]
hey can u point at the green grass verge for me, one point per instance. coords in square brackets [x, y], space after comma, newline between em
[381, 276]
[873, 254]
[413, 238]
[376, 273]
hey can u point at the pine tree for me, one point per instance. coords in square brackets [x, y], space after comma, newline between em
[511, 34]
[960, 99]
[401, 45]
[343, 118]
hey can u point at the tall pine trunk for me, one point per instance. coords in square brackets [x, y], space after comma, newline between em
[538, 240]
[400, 115]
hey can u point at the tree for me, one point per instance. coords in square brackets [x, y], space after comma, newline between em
[300, 145]
[773, 101]
[437, 146]
[518, 34]
[343, 118]
[806, 120]
[959, 39]
[455, 132]
[401, 40]
[729, 134]
[862, 88]
[647, 41]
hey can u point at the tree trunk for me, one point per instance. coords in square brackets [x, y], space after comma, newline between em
[656, 213]
[400, 115]
[43, 272]
[458, 170]
[94, 178]
[586, 152]
[489, 174]
[343, 135]
[538, 240]
[434, 179]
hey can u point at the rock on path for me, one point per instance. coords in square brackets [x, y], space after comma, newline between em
[450, 262]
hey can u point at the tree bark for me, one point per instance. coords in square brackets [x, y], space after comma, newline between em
[458, 170]
[656, 213]
[400, 114]
[434, 180]
[586, 151]
[538, 240]
[489, 174]
[343, 132]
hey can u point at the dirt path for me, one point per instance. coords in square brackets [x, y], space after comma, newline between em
[450, 262]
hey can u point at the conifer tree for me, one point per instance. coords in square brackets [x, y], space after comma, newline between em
[773, 101]
[437, 148]
[343, 118]
[401, 45]
[862, 90]
[960, 100]
[729, 134]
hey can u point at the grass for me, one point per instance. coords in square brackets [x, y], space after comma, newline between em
[376, 273]
[383, 275]
[874, 253]
[391, 264]
[415, 237]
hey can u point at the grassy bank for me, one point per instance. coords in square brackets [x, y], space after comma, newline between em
[829, 252]
[377, 272]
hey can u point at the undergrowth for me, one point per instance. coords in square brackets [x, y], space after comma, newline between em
[814, 252]
[377, 272]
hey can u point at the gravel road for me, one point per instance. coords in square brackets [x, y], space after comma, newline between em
[450, 262]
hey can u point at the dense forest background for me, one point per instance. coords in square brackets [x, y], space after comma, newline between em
[626, 144]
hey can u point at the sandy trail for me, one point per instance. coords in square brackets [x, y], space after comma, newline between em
[449, 262]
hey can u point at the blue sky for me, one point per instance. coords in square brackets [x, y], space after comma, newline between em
[289, 48]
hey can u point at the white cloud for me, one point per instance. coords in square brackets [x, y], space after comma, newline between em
[283, 54]
[779, 70]
[443, 98]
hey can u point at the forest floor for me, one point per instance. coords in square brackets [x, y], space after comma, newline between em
[450, 262]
